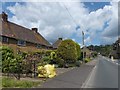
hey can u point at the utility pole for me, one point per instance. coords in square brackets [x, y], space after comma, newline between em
[83, 44]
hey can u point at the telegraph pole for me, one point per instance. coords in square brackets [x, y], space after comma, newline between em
[83, 44]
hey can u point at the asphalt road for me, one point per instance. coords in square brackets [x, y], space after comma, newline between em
[104, 75]
[71, 79]
[100, 73]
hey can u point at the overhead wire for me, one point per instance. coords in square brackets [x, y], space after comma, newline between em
[69, 13]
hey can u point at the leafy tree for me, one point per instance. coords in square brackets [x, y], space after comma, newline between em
[11, 63]
[102, 49]
[78, 51]
[7, 56]
[53, 58]
[67, 51]
[16, 66]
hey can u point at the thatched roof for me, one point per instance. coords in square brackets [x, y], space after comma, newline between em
[57, 43]
[16, 31]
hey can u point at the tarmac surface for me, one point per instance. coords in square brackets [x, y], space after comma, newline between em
[104, 75]
[71, 79]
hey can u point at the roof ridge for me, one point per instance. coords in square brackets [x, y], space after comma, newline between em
[20, 26]
[20, 32]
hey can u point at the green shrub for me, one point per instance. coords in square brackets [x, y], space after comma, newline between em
[87, 60]
[60, 62]
[11, 63]
[23, 54]
[7, 56]
[46, 59]
[48, 52]
[67, 51]
[53, 55]
[78, 51]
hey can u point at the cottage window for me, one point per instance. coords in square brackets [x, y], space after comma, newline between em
[4, 39]
[39, 46]
[21, 43]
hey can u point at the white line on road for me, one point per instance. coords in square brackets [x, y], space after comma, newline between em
[85, 84]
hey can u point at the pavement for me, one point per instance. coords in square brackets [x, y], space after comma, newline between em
[72, 79]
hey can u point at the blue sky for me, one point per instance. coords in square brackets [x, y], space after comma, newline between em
[53, 21]
[93, 6]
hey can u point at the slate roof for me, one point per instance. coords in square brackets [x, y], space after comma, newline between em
[16, 31]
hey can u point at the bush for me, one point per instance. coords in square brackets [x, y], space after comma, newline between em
[60, 62]
[78, 51]
[87, 60]
[67, 51]
[46, 59]
[53, 55]
[7, 56]
[53, 58]
[11, 63]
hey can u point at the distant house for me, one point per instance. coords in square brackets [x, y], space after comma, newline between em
[57, 43]
[19, 37]
[87, 52]
[116, 50]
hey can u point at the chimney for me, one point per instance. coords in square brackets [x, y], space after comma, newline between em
[4, 17]
[35, 30]
[60, 38]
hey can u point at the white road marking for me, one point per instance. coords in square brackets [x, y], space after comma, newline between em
[88, 79]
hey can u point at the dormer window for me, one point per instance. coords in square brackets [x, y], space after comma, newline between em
[21, 43]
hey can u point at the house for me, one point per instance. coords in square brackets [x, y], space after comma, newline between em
[19, 37]
[86, 51]
[57, 43]
[115, 54]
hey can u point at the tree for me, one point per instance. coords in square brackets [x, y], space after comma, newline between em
[78, 51]
[16, 66]
[67, 51]
[7, 56]
[11, 63]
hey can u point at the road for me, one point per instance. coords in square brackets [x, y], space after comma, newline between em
[71, 79]
[104, 75]
[100, 73]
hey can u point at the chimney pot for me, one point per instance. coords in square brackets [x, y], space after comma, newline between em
[4, 16]
[35, 30]
[60, 38]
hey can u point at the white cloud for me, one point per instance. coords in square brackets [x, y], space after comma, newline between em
[110, 34]
[54, 21]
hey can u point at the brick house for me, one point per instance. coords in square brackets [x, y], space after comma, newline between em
[19, 37]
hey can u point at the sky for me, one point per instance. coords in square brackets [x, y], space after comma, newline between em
[98, 20]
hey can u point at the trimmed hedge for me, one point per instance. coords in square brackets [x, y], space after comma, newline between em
[67, 51]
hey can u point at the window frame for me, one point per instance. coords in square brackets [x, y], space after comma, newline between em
[4, 39]
[39, 46]
[21, 43]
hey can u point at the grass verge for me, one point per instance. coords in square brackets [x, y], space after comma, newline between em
[11, 82]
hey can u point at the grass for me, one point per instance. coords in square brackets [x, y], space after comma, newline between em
[10, 82]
